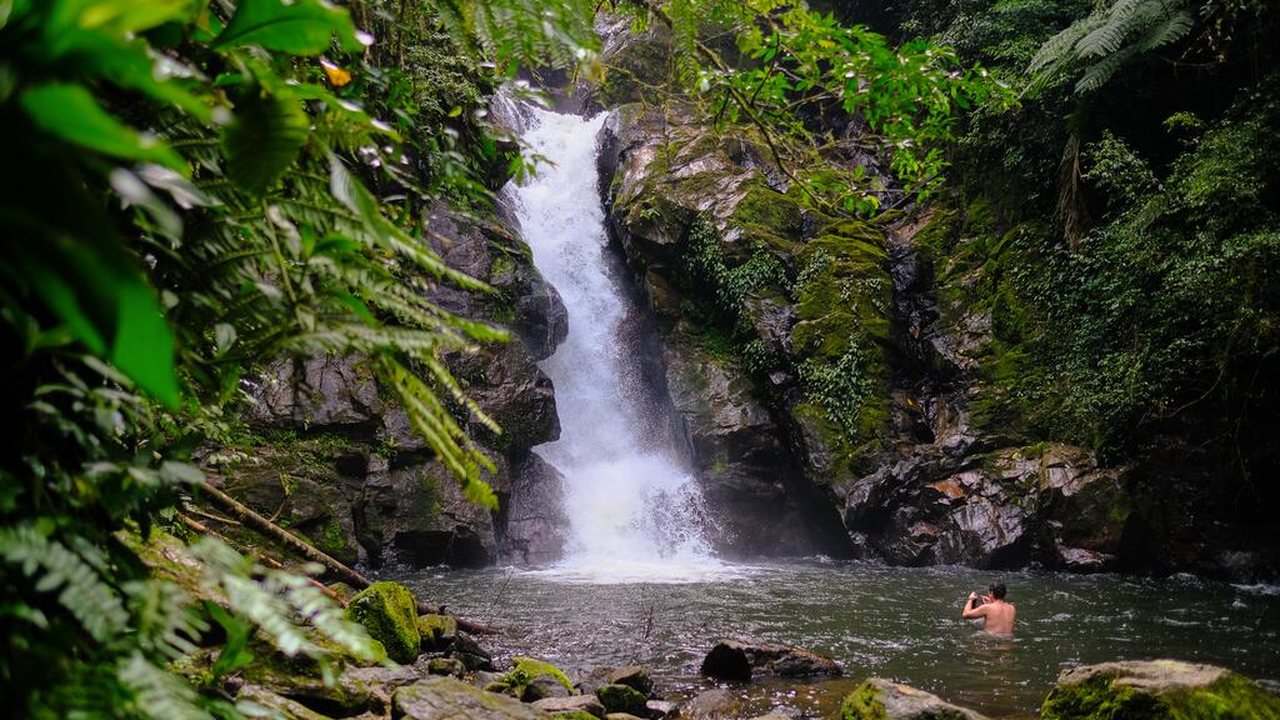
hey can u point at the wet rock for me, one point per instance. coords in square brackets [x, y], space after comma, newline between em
[417, 514]
[437, 632]
[659, 709]
[622, 699]
[880, 699]
[530, 679]
[742, 660]
[388, 612]
[534, 522]
[621, 716]
[717, 703]
[441, 698]
[633, 676]
[1152, 689]
[473, 656]
[276, 704]
[446, 666]
[577, 703]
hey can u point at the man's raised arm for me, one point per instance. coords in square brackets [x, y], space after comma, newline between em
[969, 612]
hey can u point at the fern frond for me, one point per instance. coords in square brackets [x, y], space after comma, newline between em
[81, 591]
[159, 694]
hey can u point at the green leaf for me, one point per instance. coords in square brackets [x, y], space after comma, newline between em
[303, 27]
[71, 113]
[264, 139]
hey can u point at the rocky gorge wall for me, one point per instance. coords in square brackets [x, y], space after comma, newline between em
[836, 397]
[325, 457]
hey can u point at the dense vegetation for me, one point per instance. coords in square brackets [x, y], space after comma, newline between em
[1122, 227]
[194, 190]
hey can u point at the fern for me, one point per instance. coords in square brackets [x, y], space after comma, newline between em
[1094, 48]
[81, 591]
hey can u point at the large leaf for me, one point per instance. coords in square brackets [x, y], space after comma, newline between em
[301, 27]
[105, 304]
[71, 113]
[264, 139]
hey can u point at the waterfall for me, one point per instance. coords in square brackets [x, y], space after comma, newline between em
[635, 512]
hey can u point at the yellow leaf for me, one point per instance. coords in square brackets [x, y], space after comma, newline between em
[337, 76]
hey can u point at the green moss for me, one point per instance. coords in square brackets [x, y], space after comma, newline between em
[388, 611]
[622, 699]
[524, 670]
[437, 631]
[863, 704]
[332, 538]
[1231, 697]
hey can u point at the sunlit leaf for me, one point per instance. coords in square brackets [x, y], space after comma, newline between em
[302, 27]
[71, 113]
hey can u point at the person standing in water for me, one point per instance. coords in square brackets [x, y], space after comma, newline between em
[997, 614]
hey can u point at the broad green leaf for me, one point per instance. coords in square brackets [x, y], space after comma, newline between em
[143, 347]
[264, 139]
[302, 27]
[120, 17]
[71, 113]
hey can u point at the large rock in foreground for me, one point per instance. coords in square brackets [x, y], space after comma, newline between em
[880, 699]
[441, 698]
[1157, 689]
[742, 660]
[388, 611]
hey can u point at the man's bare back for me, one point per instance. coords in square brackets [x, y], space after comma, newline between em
[997, 614]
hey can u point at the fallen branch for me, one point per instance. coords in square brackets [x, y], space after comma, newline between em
[253, 520]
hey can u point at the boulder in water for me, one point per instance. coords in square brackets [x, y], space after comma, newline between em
[741, 660]
[438, 631]
[622, 699]
[633, 676]
[442, 698]
[530, 679]
[388, 611]
[880, 699]
[1155, 689]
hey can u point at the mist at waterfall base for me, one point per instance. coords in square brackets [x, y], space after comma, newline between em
[635, 513]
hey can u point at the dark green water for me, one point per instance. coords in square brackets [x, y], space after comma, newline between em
[901, 623]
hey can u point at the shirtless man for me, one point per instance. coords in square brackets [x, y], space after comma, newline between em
[997, 615]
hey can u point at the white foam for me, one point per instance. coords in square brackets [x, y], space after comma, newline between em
[636, 515]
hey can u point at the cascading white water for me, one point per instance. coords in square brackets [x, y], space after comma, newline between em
[635, 514]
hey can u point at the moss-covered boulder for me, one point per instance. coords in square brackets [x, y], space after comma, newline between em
[437, 698]
[622, 699]
[880, 699]
[531, 679]
[388, 611]
[1157, 690]
[437, 631]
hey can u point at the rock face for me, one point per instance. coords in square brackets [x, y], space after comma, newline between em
[880, 699]
[332, 460]
[1147, 690]
[743, 660]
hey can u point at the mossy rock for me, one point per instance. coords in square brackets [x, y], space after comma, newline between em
[1157, 690]
[437, 631]
[388, 611]
[880, 699]
[575, 715]
[522, 680]
[622, 699]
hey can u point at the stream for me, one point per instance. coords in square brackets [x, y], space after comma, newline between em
[901, 623]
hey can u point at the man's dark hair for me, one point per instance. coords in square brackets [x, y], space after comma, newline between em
[998, 591]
